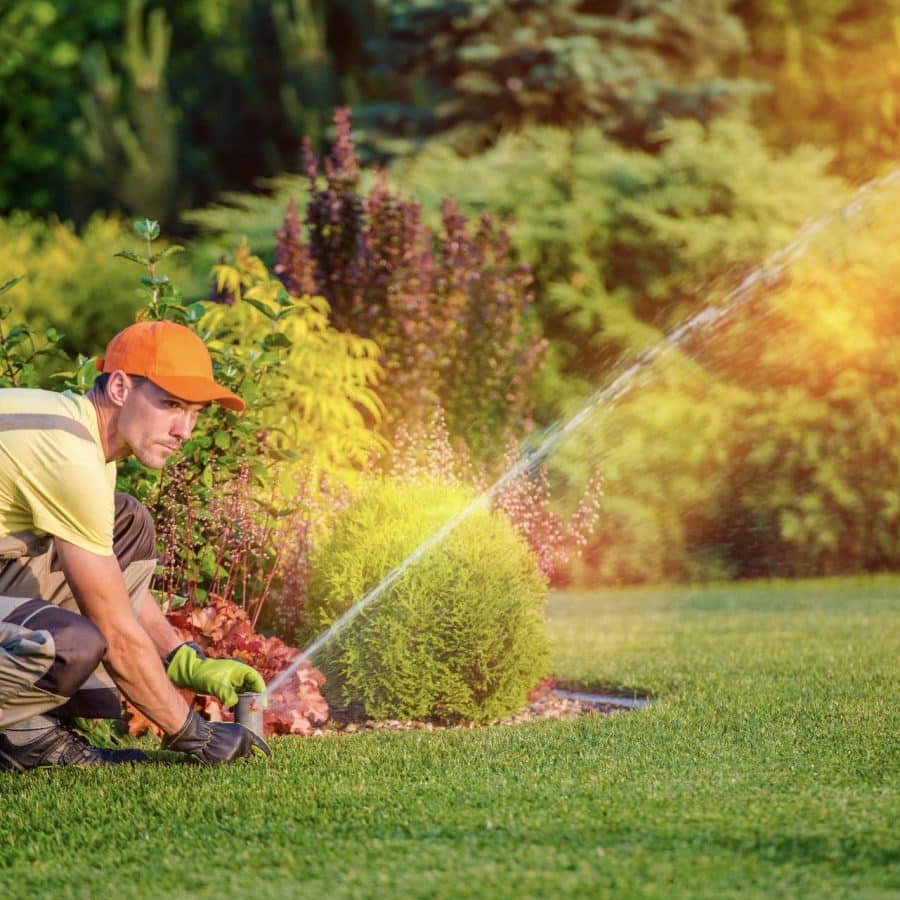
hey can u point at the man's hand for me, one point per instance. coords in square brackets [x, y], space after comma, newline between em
[215, 742]
[188, 667]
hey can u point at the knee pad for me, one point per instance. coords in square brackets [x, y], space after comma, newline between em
[79, 647]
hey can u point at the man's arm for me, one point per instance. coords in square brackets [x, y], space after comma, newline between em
[189, 667]
[165, 638]
[132, 659]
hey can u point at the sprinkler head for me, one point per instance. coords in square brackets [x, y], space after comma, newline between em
[249, 712]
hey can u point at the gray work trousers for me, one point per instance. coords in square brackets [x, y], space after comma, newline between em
[50, 655]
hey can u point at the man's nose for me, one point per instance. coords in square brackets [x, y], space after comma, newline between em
[184, 425]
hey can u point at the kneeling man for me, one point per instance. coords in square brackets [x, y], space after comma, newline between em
[77, 621]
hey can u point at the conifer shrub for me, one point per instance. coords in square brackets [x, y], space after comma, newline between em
[458, 637]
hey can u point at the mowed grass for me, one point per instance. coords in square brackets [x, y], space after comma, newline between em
[767, 766]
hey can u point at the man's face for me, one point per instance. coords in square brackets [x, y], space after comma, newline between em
[153, 424]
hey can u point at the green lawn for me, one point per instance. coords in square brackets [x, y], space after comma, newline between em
[768, 766]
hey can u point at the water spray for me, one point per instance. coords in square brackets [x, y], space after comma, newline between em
[766, 273]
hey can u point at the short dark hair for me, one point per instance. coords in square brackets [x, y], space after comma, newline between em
[102, 380]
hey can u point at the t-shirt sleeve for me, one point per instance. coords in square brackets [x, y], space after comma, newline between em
[73, 499]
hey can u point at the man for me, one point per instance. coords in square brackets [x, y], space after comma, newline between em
[76, 560]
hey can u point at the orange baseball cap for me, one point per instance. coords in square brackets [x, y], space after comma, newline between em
[172, 357]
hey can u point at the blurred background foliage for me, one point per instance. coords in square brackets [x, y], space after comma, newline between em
[150, 102]
[833, 70]
[625, 244]
[72, 282]
[487, 67]
[560, 184]
[155, 107]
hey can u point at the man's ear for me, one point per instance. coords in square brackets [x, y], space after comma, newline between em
[118, 387]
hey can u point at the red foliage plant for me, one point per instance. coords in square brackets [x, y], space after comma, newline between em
[448, 307]
[224, 630]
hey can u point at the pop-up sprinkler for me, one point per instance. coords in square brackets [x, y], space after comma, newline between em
[249, 712]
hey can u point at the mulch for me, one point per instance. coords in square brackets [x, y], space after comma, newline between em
[544, 705]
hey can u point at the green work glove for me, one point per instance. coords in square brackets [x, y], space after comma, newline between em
[188, 667]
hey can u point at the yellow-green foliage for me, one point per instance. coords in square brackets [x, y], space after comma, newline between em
[458, 637]
[822, 446]
[776, 451]
[327, 399]
[73, 282]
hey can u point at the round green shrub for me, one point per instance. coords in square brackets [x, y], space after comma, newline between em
[459, 637]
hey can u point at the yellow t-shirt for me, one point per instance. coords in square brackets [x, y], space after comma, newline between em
[54, 478]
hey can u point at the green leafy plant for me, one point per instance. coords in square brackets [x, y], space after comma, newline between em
[326, 379]
[70, 285]
[458, 637]
[21, 347]
[225, 510]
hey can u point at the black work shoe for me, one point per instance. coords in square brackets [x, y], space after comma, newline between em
[61, 747]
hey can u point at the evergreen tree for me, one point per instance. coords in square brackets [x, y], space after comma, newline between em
[472, 69]
[158, 106]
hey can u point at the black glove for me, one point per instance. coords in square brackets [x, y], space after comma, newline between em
[215, 742]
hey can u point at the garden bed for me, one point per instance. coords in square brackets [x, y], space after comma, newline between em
[544, 703]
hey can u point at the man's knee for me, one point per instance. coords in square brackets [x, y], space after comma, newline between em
[134, 536]
[78, 644]
[79, 648]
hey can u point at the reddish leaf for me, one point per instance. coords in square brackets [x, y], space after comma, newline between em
[224, 631]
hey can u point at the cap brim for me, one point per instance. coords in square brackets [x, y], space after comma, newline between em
[199, 390]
